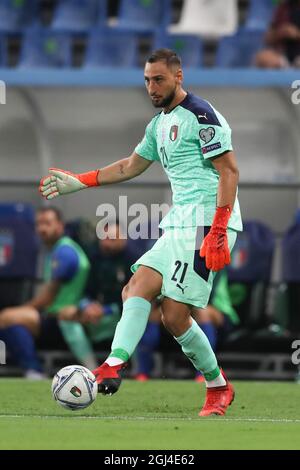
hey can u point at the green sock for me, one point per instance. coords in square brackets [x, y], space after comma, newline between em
[196, 347]
[130, 328]
[77, 339]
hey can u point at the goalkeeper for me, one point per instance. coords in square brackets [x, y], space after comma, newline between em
[193, 143]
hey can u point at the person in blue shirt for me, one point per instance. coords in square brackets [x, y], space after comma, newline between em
[66, 270]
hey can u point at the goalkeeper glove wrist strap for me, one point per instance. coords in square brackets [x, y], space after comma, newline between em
[90, 178]
[222, 217]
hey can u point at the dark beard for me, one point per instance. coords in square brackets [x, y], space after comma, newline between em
[166, 101]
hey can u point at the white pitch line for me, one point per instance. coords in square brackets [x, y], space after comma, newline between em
[146, 418]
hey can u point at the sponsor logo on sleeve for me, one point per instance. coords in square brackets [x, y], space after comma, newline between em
[210, 148]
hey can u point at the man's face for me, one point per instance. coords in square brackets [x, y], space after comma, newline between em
[113, 243]
[162, 83]
[48, 227]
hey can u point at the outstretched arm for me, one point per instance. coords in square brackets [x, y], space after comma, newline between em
[124, 170]
[60, 182]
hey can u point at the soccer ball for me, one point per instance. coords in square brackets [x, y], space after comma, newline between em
[74, 388]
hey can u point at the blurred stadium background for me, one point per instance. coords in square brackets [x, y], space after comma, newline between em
[75, 99]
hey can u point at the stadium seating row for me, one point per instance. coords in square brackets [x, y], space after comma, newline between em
[117, 43]
[42, 47]
[197, 16]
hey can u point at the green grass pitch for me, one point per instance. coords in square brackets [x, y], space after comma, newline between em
[154, 415]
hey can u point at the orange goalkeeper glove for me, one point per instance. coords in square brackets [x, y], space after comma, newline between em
[60, 182]
[215, 247]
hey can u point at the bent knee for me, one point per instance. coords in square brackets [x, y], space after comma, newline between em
[131, 289]
[176, 318]
[142, 286]
[27, 316]
[125, 292]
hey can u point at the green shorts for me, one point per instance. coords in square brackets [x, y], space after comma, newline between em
[175, 256]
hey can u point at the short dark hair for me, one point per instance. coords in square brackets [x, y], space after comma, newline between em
[55, 210]
[165, 55]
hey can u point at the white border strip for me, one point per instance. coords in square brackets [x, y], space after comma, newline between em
[148, 418]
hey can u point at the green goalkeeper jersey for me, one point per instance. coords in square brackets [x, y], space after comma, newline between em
[184, 141]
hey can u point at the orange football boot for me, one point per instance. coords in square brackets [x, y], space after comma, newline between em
[109, 378]
[218, 399]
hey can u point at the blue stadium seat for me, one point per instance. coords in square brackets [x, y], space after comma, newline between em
[291, 253]
[18, 211]
[297, 217]
[111, 49]
[239, 50]
[188, 47]
[18, 253]
[79, 15]
[249, 273]
[3, 51]
[259, 14]
[287, 304]
[253, 254]
[144, 16]
[45, 48]
[16, 14]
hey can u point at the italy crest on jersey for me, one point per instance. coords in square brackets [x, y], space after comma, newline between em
[173, 133]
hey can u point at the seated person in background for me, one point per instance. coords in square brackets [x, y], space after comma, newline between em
[66, 271]
[283, 38]
[219, 318]
[111, 259]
